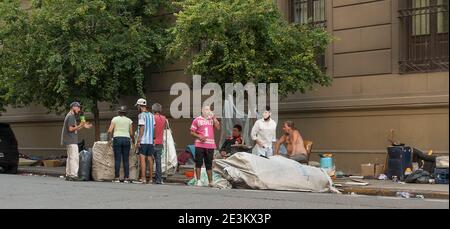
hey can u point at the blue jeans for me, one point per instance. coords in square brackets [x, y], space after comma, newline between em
[121, 147]
[157, 155]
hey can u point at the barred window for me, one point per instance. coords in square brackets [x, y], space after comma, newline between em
[424, 38]
[309, 12]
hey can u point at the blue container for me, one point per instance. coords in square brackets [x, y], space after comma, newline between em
[326, 162]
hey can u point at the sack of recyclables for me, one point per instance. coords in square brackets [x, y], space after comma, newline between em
[244, 170]
[103, 162]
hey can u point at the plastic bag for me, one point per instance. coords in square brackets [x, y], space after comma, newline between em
[169, 160]
[85, 166]
[218, 181]
[442, 162]
[418, 176]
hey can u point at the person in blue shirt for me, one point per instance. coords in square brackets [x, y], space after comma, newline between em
[145, 140]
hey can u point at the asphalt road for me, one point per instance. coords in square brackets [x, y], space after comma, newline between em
[18, 191]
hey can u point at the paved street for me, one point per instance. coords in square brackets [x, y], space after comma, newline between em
[18, 191]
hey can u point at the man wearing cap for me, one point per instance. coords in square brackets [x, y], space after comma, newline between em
[146, 130]
[69, 138]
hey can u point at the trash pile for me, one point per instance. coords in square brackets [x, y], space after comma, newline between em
[427, 168]
[52, 161]
[408, 195]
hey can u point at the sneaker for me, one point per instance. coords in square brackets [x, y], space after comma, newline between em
[159, 182]
[77, 179]
[127, 181]
[116, 180]
[70, 178]
[137, 182]
[199, 183]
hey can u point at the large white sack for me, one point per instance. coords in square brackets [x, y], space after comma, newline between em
[169, 160]
[103, 162]
[276, 173]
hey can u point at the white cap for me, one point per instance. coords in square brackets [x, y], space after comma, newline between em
[141, 102]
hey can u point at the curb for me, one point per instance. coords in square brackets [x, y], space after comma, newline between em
[392, 192]
[345, 190]
[172, 179]
[39, 172]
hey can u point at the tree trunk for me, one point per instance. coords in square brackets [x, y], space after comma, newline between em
[96, 122]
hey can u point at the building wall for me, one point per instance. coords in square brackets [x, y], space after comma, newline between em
[350, 119]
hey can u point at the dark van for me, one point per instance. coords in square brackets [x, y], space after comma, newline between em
[9, 154]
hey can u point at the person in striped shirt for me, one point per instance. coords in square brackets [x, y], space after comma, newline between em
[145, 144]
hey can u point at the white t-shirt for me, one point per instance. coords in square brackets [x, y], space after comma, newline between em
[265, 131]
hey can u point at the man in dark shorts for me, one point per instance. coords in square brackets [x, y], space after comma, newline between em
[146, 129]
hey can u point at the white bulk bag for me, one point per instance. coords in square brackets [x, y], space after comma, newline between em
[103, 162]
[169, 160]
[275, 173]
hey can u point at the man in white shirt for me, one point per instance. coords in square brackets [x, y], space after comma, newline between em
[264, 134]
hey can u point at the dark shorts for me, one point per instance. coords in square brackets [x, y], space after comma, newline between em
[206, 155]
[147, 150]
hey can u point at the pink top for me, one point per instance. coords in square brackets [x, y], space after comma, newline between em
[160, 124]
[204, 127]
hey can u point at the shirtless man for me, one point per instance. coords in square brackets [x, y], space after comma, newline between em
[294, 143]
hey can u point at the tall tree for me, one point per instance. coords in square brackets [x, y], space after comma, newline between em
[230, 41]
[13, 50]
[87, 50]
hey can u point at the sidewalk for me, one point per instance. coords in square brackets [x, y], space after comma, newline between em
[375, 187]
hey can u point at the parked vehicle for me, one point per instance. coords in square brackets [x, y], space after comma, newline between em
[9, 153]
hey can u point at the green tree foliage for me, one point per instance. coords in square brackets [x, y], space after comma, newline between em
[248, 40]
[87, 50]
[13, 50]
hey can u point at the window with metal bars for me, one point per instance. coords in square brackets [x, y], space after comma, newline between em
[424, 36]
[309, 12]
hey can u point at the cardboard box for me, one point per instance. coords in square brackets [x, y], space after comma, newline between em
[52, 163]
[368, 170]
[379, 169]
[371, 170]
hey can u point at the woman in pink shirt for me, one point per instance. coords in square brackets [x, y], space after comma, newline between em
[160, 125]
[202, 129]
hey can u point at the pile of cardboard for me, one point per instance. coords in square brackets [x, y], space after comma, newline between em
[372, 170]
[51, 163]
